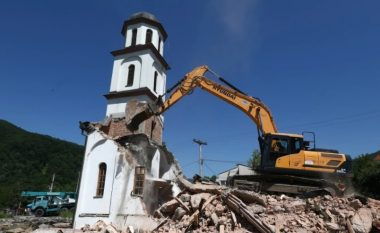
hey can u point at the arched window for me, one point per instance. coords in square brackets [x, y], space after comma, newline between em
[131, 74]
[159, 44]
[148, 38]
[101, 179]
[155, 82]
[134, 36]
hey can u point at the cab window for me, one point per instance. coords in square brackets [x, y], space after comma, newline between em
[297, 145]
[279, 145]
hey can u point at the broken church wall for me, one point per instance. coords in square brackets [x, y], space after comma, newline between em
[152, 127]
[119, 205]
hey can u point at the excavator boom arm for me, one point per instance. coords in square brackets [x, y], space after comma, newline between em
[254, 108]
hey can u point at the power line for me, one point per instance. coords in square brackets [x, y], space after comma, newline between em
[209, 168]
[223, 161]
[338, 119]
[188, 164]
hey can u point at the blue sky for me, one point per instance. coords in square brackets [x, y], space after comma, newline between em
[316, 64]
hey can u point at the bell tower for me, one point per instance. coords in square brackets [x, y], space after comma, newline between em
[139, 71]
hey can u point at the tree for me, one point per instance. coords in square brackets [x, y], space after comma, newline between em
[367, 175]
[254, 160]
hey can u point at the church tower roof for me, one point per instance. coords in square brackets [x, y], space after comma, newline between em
[144, 14]
[144, 17]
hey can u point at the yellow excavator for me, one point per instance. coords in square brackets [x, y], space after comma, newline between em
[288, 163]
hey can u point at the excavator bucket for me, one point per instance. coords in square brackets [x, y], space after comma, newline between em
[133, 125]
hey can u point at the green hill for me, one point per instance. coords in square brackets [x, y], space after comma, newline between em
[29, 160]
[367, 174]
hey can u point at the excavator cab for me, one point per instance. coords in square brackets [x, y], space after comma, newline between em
[274, 146]
[291, 154]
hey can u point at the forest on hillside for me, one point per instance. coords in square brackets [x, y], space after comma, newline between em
[29, 160]
[366, 171]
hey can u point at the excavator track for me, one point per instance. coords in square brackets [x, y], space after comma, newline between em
[290, 184]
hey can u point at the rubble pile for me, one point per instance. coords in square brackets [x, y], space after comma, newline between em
[211, 208]
[19, 224]
[208, 208]
[204, 207]
[318, 214]
[202, 212]
[101, 226]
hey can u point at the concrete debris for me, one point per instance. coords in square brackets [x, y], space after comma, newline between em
[214, 219]
[217, 209]
[247, 211]
[183, 205]
[196, 199]
[356, 204]
[15, 230]
[101, 226]
[199, 187]
[249, 197]
[362, 220]
[179, 213]
[350, 229]
[223, 210]
[169, 207]
[19, 224]
[256, 209]
[333, 226]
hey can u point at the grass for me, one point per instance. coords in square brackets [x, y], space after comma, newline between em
[3, 215]
[66, 214]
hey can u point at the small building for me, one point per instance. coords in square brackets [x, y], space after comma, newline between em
[126, 175]
[239, 169]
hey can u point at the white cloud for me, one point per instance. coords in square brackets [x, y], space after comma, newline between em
[236, 15]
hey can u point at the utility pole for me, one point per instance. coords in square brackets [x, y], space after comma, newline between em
[200, 162]
[52, 184]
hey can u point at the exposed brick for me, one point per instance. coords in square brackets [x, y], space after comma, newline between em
[152, 127]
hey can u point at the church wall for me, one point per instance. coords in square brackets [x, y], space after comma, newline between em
[123, 73]
[141, 35]
[98, 150]
[124, 203]
[115, 75]
[119, 105]
[120, 71]
[160, 78]
[144, 72]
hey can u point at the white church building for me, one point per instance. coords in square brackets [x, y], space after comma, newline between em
[126, 175]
